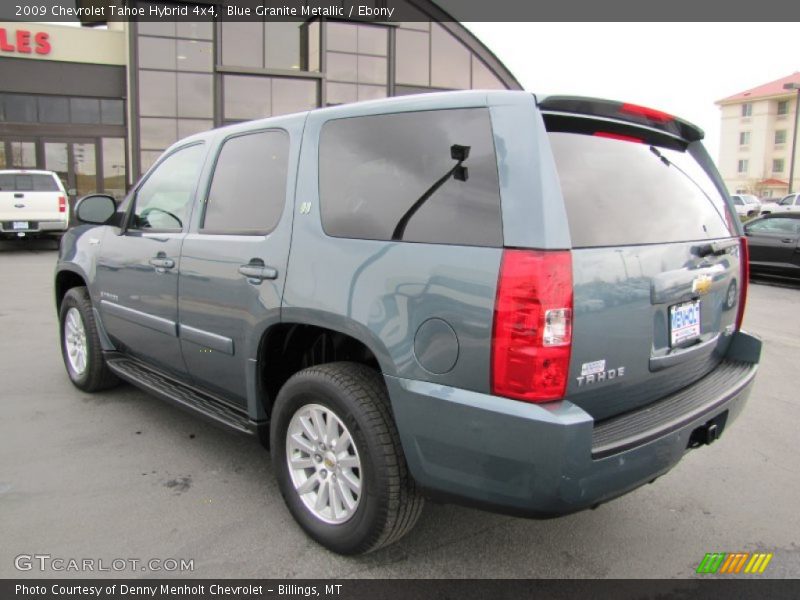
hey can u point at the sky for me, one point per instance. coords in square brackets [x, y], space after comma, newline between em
[680, 68]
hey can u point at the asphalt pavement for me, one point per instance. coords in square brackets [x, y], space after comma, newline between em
[122, 475]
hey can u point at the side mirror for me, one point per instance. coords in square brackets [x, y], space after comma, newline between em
[96, 209]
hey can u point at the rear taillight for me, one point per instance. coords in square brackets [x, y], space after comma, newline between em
[62, 204]
[532, 334]
[744, 257]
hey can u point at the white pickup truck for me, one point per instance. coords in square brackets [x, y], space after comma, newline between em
[32, 204]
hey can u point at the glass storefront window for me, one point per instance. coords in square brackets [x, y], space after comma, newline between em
[85, 110]
[371, 69]
[53, 109]
[341, 93]
[114, 166]
[194, 56]
[157, 94]
[22, 155]
[247, 97]
[450, 60]
[412, 60]
[157, 134]
[20, 108]
[242, 44]
[195, 96]
[147, 158]
[156, 53]
[196, 30]
[55, 159]
[342, 37]
[187, 127]
[3, 155]
[112, 112]
[372, 40]
[483, 78]
[85, 165]
[293, 95]
[342, 67]
[282, 45]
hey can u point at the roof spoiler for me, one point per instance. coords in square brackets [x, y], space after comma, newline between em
[625, 112]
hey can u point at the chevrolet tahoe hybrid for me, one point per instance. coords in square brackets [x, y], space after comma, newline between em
[530, 304]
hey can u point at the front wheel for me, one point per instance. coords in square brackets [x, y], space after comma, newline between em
[80, 343]
[338, 460]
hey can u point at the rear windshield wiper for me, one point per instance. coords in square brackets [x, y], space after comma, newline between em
[669, 163]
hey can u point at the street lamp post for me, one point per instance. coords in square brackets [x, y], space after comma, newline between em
[793, 86]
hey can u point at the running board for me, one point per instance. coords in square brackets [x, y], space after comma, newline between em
[180, 394]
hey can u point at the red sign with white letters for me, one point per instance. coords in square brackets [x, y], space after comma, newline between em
[22, 41]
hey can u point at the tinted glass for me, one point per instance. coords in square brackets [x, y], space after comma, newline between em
[282, 45]
[157, 94]
[372, 40]
[248, 189]
[242, 44]
[164, 200]
[412, 58]
[112, 112]
[247, 97]
[620, 193]
[156, 53]
[393, 161]
[10, 182]
[85, 110]
[194, 56]
[195, 96]
[157, 134]
[342, 36]
[293, 95]
[450, 60]
[483, 78]
[20, 109]
[53, 110]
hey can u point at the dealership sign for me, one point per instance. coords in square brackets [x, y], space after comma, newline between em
[23, 41]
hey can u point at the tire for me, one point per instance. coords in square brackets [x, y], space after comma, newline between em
[388, 504]
[91, 374]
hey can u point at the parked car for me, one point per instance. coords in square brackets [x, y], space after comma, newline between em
[746, 205]
[417, 297]
[32, 204]
[790, 204]
[774, 242]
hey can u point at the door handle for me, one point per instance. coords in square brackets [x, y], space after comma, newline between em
[788, 240]
[256, 271]
[162, 263]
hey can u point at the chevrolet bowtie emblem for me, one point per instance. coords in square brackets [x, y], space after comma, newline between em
[701, 284]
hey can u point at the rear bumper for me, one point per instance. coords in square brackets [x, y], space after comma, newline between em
[34, 227]
[553, 459]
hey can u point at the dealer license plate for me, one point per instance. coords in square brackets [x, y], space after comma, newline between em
[684, 322]
[19, 225]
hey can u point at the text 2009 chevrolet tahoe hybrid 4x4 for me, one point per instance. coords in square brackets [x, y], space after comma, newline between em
[527, 304]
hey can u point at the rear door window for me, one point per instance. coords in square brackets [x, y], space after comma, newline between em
[248, 189]
[27, 182]
[401, 176]
[619, 192]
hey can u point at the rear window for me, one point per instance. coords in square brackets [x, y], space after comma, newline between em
[400, 176]
[624, 193]
[27, 182]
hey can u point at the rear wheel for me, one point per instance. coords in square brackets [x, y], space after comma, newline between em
[80, 343]
[338, 459]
